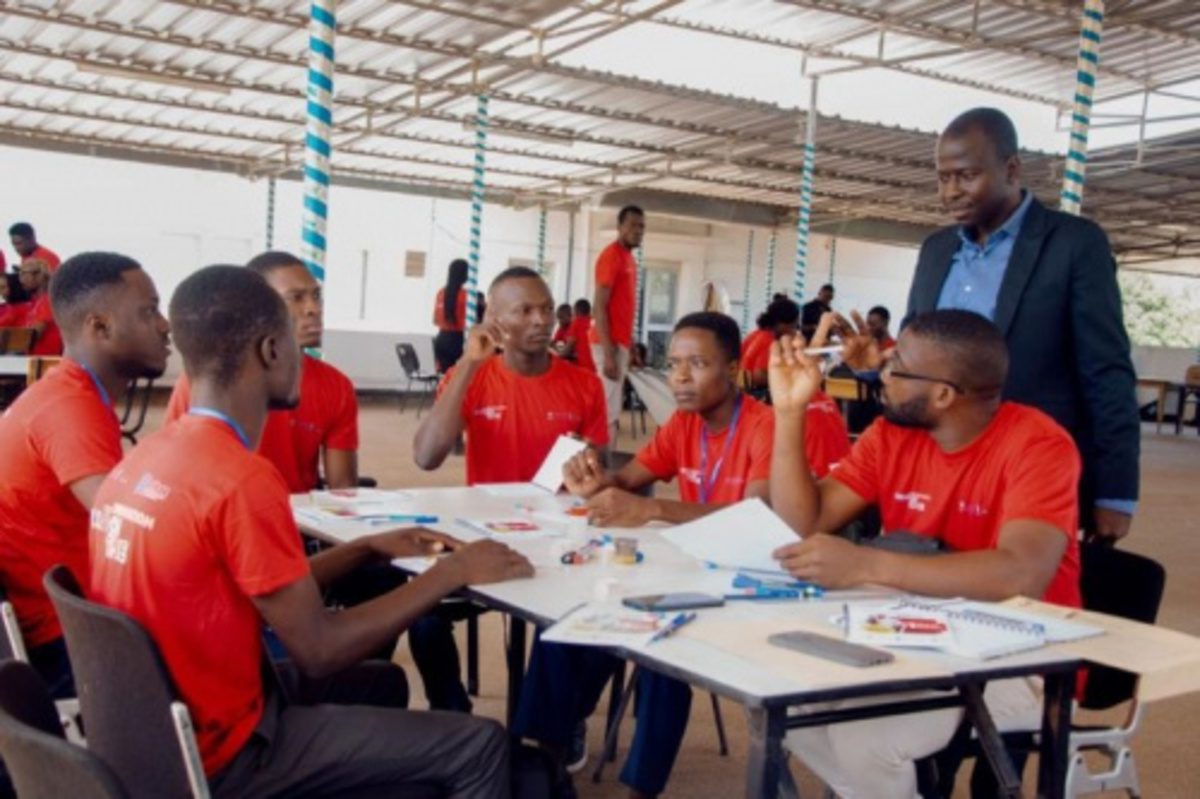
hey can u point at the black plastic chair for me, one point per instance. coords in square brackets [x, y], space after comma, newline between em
[137, 402]
[134, 722]
[40, 761]
[425, 381]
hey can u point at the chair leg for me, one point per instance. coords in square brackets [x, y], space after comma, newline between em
[473, 655]
[720, 722]
[404, 395]
[609, 752]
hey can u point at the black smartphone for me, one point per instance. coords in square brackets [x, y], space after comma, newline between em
[680, 601]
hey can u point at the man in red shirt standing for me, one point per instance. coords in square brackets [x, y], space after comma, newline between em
[322, 431]
[616, 306]
[61, 437]
[993, 481]
[25, 242]
[193, 537]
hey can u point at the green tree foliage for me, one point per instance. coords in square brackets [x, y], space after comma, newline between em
[1158, 318]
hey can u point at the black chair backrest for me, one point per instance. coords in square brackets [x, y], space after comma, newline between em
[40, 762]
[409, 361]
[1123, 584]
[125, 692]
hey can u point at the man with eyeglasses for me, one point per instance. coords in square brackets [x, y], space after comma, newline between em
[993, 481]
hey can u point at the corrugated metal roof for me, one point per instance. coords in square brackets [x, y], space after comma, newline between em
[221, 84]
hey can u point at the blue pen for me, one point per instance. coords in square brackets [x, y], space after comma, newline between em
[399, 518]
[673, 626]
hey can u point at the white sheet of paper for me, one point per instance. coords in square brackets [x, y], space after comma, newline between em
[742, 536]
[550, 475]
[512, 490]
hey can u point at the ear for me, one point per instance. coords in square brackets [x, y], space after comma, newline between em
[944, 396]
[98, 324]
[268, 352]
[1013, 169]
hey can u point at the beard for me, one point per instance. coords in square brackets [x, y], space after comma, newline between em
[913, 413]
[283, 403]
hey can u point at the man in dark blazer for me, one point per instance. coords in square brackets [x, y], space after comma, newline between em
[1048, 281]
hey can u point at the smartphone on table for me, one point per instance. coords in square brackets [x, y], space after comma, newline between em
[668, 602]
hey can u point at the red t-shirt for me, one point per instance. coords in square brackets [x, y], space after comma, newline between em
[327, 417]
[12, 314]
[826, 440]
[185, 532]
[675, 450]
[58, 432]
[42, 254]
[460, 311]
[38, 310]
[581, 332]
[617, 269]
[756, 350]
[561, 334]
[1023, 466]
[512, 421]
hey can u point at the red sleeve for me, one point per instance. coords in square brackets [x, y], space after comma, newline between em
[181, 400]
[826, 441]
[608, 267]
[596, 426]
[859, 471]
[762, 443]
[1044, 488]
[40, 311]
[257, 536]
[662, 455]
[343, 434]
[85, 440]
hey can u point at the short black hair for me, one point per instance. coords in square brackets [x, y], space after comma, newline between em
[879, 310]
[267, 262]
[784, 311]
[75, 286]
[992, 123]
[218, 314]
[764, 321]
[583, 306]
[22, 229]
[826, 287]
[515, 273]
[566, 306]
[626, 211]
[975, 348]
[729, 338]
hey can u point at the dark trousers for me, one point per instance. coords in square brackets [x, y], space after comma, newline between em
[448, 348]
[563, 686]
[349, 736]
[51, 662]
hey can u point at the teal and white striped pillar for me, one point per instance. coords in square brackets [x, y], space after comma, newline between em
[806, 193]
[641, 293]
[317, 148]
[771, 264]
[477, 186]
[832, 260]
[1075, 172]
[271, 213]
[541, 243]
[746, 288]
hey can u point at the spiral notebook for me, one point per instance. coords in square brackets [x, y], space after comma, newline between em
[970, 629]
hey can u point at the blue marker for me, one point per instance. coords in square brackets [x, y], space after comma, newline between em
[399, 518]
[673, 626]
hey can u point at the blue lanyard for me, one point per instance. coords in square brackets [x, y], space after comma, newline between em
[213, 413]
[100, 389]
[707, 482]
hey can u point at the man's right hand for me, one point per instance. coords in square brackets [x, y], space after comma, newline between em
[793, 376]
[584, 475]
[488, 562]
[860, 350]
[482, 342]
[610, 363]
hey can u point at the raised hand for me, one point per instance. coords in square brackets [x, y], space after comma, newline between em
[489, 562]
[793, 376]
[584, 475]
[860, 350]
[483, 341]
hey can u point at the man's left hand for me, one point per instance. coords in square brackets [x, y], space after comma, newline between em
[412, 542]
[614, 507]
[827, 560]
[1108, 526]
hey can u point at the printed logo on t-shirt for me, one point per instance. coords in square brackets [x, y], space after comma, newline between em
[151, 488]
[913, 500]
[110, 522]
[493, 413]
[972, 509]
[691, 475]
[570, 417]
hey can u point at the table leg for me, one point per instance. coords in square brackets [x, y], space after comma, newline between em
[1162, 405]
[516, 666]
[765, 761]
[990, 742]
[1056, 734]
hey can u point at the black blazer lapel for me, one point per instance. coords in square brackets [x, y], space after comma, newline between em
[1021, 264]
[931, 273]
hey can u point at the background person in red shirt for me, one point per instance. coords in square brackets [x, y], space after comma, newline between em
[580, 336]
[616, 306]
[511, 396]
[993, 481]
[193, 537]
[39, 314]
[322, 431]
[561, 343]
[25, 242]
[61, 437]
[450, 316]
[878, 319]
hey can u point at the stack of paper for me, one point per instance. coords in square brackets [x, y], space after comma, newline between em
[606, 624]
[741, 537]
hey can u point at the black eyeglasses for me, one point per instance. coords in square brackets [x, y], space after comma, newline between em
[887, 367]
